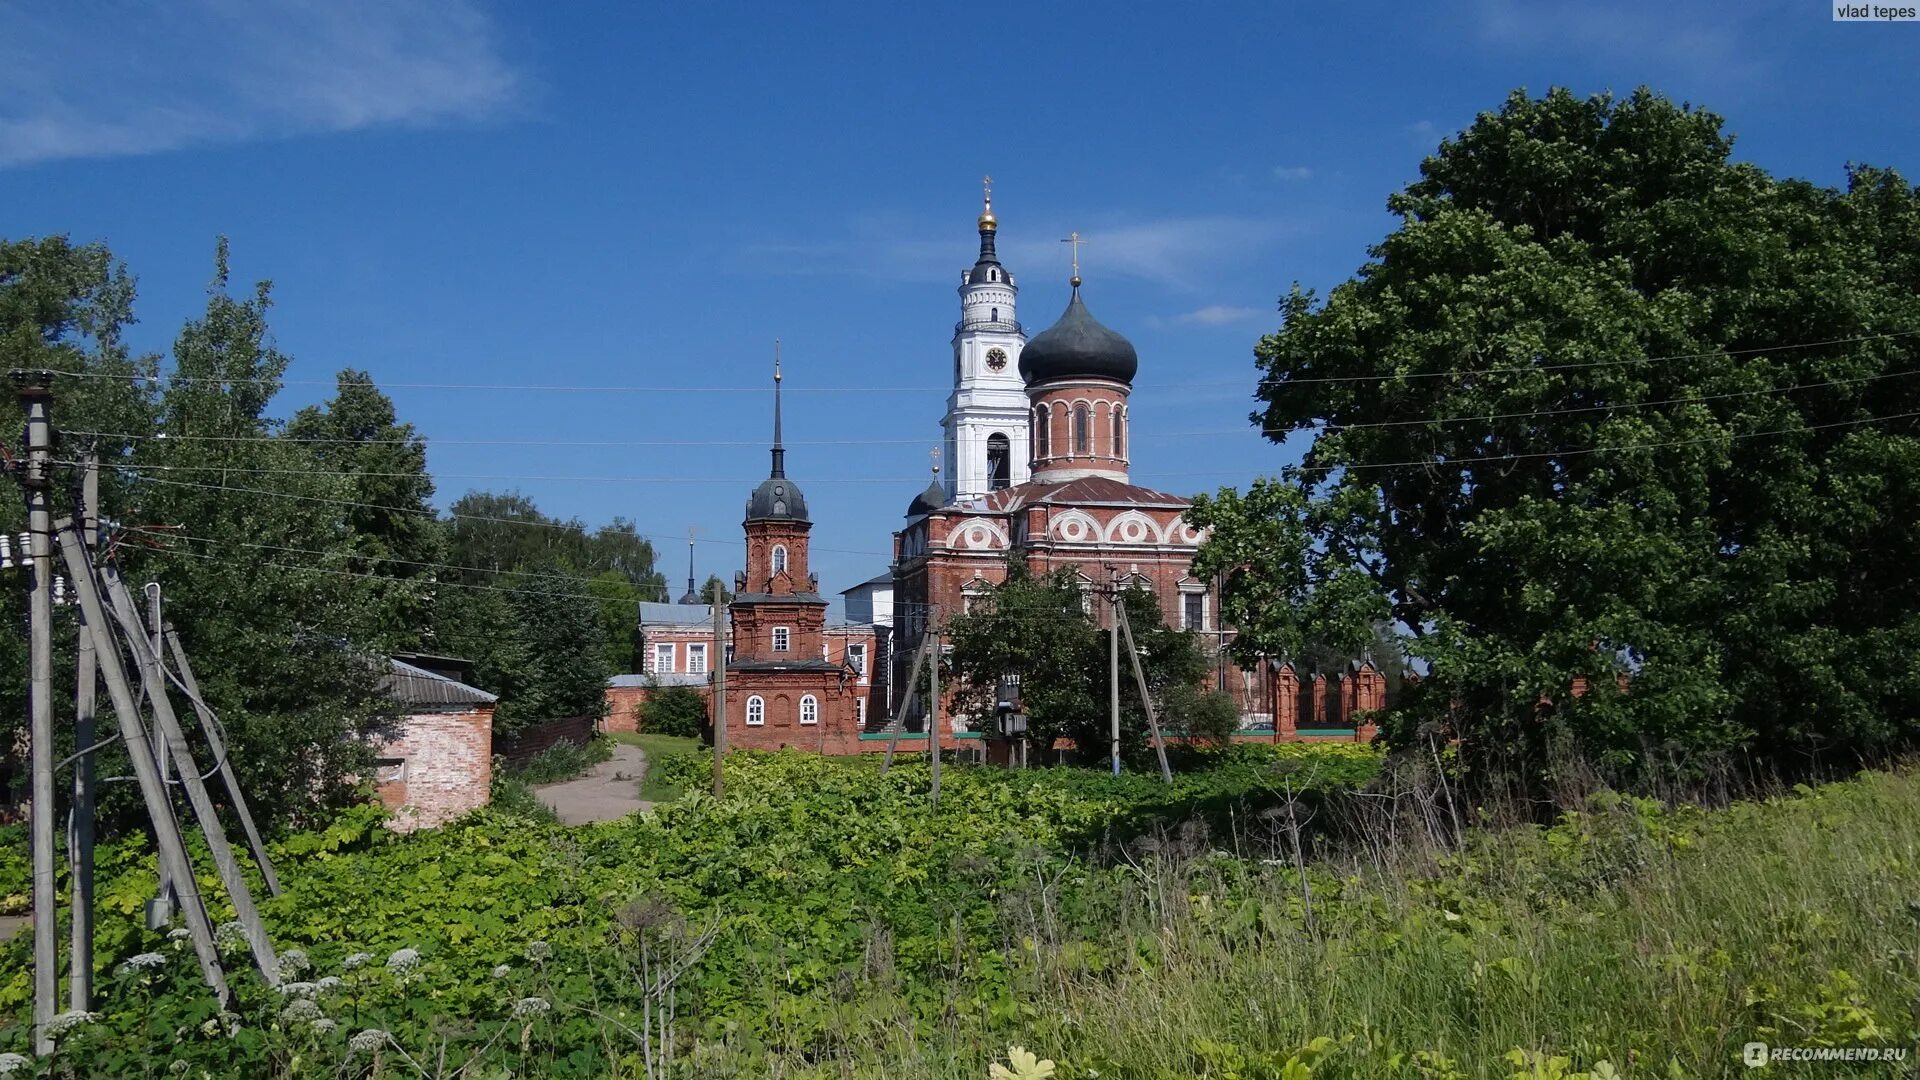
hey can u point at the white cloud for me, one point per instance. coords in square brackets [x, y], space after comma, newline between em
[1180, 253]
[1219, 315]
[1700, 40]
[87, 80]
[1292, 172]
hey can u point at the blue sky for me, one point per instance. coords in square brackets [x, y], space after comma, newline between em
[648, 194]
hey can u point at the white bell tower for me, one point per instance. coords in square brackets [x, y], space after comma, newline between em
[987, 415]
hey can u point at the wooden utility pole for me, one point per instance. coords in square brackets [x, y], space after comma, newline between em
[719, 694]
[173, 745]
[140, 755]
[217, 743]
[80, 829]
[1113, 670]
[898, 722]
[1140, 680]
[161, 912]
[35, 389]
[933, 712]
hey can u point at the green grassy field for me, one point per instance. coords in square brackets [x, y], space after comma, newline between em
[825, 922]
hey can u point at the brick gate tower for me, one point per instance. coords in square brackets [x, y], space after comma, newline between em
[781, 689]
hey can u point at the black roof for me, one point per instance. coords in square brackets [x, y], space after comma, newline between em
[1078, 347]
[779, 499]
[928, 501]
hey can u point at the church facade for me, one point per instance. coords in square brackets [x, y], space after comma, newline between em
[1065, 499]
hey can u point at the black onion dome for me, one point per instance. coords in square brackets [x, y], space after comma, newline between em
[1078, 347]
[779, 499]
[928, 501]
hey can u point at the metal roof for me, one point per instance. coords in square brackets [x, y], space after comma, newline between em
[411, 685]
[655, 613]
[669, 678]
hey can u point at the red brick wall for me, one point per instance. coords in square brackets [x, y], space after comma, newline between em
[446, 759]
[520, 748]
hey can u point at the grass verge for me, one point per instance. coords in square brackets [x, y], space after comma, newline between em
[659, 784]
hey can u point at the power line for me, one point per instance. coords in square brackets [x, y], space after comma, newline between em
[285, 550]
[1576, 451]
[431, 441]
[630, 389]
[559, 525]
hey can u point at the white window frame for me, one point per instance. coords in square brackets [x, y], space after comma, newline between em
[1206, 611]
[859, 649]
[809, 710]
[779, 558]
[860, 711]
[697, 658]
[756, 711]
[782, 638]
[666, 649]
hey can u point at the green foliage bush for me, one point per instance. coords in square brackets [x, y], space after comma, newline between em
[672, 710]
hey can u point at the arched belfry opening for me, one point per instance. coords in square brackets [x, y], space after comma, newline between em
[999, 461]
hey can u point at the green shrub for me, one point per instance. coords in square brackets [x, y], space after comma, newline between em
[672, 710]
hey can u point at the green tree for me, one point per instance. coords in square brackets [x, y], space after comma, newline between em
[1608, 402]
[393, 525]
[249, 539]
[540, 645]
[1039, 629]
[673, 710]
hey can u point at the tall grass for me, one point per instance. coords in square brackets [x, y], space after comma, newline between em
[1652, 941]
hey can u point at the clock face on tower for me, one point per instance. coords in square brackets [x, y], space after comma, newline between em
[997, 359]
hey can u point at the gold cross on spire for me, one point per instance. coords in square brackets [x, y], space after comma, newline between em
[934, 456]
[1074, 239]
[986, 184]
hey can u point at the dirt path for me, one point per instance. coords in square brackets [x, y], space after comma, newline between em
[609, 790]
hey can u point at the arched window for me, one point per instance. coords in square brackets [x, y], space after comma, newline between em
[756, 711]
[809, 709]
[1082, 429]
[998, 464]
[1042, 436]
[993, 314]
[779, 558]
[1119, 434]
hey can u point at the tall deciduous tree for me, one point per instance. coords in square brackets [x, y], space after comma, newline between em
[1610, 403]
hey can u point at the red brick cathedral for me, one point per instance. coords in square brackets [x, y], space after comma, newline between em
[1070, 504]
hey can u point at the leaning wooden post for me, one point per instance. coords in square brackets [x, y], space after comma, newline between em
[210, 724]
[933, 713]
[153, 679]
[1146, 699]
[899, 721]
[719, 695]
[172, 851]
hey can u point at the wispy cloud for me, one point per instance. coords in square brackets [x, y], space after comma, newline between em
[1180, 253]
[1705, 41]
[1292, 172]
[105, 80]
[1219, 315]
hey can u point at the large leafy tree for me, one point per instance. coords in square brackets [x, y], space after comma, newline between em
[393, 526]
[1608, 403]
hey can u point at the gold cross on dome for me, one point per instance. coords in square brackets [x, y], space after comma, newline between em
[986, 184]
[1074, 239]
[934, 456]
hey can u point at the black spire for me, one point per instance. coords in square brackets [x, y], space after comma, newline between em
[988, 260]
[779, 453]
[692, 597]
